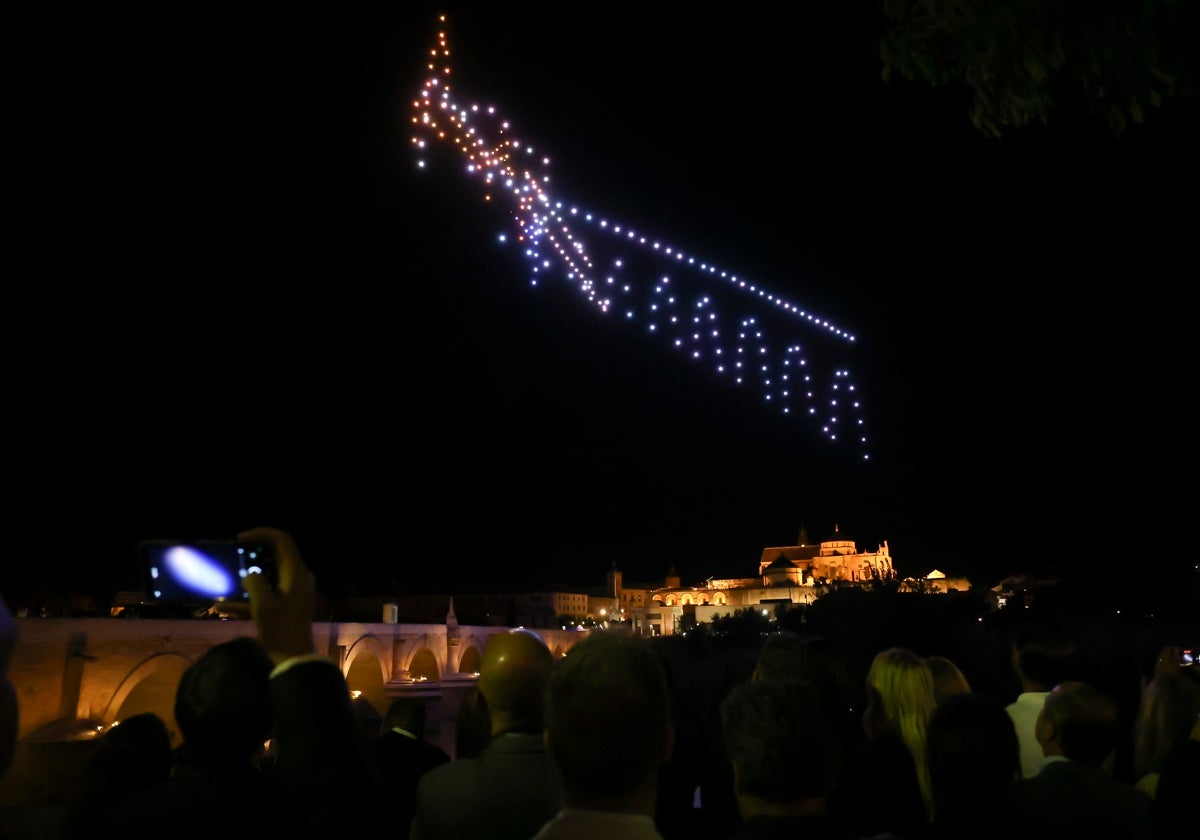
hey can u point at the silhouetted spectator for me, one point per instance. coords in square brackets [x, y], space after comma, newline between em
[223, 708]
[1174, 804]
[224, 711]
[608, 730]
[813, 660]
[1043, 655]
[512, 788]
[782, 656]
[320, 769]
[402, 756]
[675, 813]
[885, 788]
[974, 768]
[370, 722]
[719, 816]
[948, 680]
[1167, 711]
[472, 726]
[138, 750]
[1073, 795]
[134, 757]
[783, 748]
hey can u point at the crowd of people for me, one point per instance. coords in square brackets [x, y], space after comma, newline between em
[605, 743]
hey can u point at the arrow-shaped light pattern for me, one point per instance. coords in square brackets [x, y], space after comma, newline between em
[706, 314]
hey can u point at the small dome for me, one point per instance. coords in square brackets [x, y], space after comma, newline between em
[780, 563]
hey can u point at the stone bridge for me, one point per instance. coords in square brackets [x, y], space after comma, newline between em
[76, 677]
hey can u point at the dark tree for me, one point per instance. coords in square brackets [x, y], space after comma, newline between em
[1028, 61]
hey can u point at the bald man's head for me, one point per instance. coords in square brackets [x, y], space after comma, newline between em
[512, 679]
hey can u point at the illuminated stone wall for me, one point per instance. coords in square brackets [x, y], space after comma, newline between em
[75, 677]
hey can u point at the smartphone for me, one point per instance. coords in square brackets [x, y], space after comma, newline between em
[201, 571]
[1187, 657]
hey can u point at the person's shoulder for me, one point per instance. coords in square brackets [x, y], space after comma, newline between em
[514, 742]
[432, 755]
[1028, 698]
[1060, 765]
[813, 827]
[451, 773]
[434, 749]
[1080, 777]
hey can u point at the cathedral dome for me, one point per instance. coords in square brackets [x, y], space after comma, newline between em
[781, 570]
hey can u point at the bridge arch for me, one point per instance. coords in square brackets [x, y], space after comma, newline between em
[468, 663]
[149, 686]
[423, 666]
[366, 646]
[365, 668]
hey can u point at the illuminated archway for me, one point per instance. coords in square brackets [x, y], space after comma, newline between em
[149, 687]
[468, 663]
[424, 666]
[365, 676]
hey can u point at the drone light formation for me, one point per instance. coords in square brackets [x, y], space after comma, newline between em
[706, 314]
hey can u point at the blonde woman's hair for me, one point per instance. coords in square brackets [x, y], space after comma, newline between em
[904, 684]
[948, 680]
[1166, 713]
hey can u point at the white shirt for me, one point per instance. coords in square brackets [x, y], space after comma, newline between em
[578, 824]
[1024, 713]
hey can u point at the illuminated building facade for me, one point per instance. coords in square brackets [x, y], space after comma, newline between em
[791, 574]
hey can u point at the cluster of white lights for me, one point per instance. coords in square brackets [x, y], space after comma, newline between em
[731, 325]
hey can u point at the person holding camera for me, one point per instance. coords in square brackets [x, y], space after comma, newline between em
[321, 768]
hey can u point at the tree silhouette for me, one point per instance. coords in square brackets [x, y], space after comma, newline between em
[1025, 61]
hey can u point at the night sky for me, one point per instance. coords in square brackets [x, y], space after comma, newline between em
[233, 300]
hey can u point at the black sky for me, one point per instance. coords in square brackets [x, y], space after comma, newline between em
[234, 301]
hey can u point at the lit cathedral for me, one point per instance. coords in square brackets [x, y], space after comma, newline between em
[795, 574]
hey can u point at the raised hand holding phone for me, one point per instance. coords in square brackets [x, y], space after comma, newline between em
[200, 573]
[283, 611]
